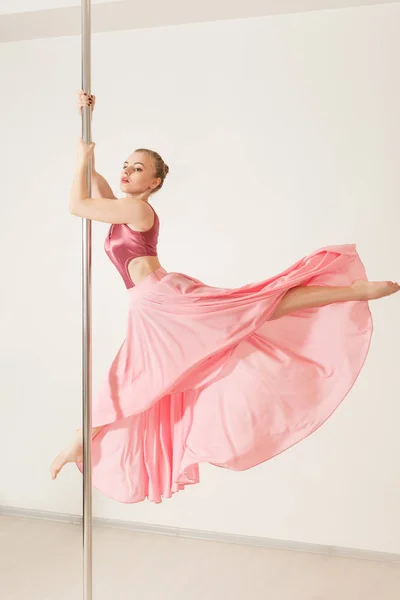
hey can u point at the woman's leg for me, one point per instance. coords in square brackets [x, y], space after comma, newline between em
[300, 298]
[73, 452]
[296, 299]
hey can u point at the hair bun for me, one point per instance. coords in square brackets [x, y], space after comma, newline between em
[166, 169]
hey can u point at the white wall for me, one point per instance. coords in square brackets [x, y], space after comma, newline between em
[282, 136]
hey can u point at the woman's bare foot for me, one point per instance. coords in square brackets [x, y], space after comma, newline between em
[73, 453]
[372, 290]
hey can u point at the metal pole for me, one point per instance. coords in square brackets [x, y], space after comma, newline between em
[86, 318]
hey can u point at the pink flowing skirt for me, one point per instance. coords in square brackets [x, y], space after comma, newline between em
[204, 375]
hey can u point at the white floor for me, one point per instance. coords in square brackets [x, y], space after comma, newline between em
[41, 560]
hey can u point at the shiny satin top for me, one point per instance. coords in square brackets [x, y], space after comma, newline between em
[123, 244]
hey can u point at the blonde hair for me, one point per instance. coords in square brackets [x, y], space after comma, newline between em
[161, 169]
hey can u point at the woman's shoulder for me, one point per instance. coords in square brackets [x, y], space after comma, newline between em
[154, 223]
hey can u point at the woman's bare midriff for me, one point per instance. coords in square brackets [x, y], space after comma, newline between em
[140, 268]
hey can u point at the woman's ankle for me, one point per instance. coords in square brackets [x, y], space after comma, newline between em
[95, 431]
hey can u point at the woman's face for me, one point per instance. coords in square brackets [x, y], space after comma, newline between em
[137, 175]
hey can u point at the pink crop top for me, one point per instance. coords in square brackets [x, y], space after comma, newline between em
[123, 244]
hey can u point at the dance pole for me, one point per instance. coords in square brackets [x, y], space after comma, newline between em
[87, 317]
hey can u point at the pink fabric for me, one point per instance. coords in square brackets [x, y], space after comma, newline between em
[204, 376]
[123, 245]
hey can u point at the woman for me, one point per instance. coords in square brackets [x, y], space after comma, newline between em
[231, 377]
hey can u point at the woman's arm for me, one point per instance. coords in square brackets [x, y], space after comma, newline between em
[100, 187]
[107, 210]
